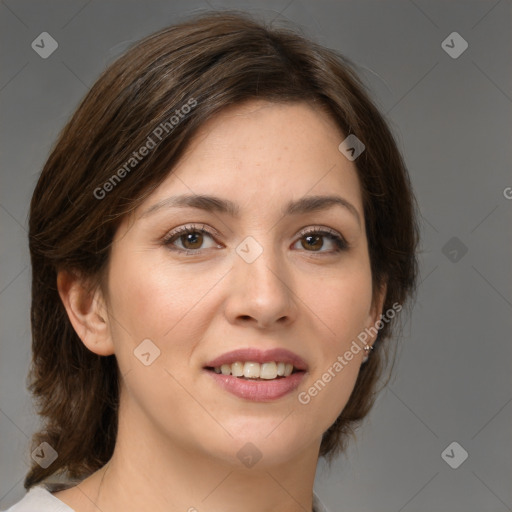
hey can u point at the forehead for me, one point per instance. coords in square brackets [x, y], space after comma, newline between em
[266, 153]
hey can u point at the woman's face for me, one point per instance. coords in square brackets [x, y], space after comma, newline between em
[255, 267]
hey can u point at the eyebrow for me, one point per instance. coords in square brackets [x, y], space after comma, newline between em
[209, 203]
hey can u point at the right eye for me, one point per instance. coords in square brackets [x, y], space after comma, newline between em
[190, 237]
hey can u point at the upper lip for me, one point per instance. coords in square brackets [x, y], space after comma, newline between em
[254, 355]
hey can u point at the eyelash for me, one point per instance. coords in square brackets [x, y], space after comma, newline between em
[168, 240]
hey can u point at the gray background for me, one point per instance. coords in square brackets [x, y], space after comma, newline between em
[452, 120]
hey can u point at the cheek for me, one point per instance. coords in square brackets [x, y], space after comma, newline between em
[152, 297]
[154, 301]
[342, 308]
[342, 303]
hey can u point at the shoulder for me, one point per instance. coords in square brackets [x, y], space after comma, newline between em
[318, 506]
[39, 499]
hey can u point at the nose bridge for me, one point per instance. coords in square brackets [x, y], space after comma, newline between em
[262, 281]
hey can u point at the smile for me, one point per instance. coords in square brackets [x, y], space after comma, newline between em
[256, 375]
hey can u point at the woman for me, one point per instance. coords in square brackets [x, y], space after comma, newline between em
[221, 241]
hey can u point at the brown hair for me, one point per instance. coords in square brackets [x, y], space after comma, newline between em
[209, 62]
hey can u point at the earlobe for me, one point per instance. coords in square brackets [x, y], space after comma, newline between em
[87, 312]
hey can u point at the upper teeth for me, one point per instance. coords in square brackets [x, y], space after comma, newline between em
[251, 370]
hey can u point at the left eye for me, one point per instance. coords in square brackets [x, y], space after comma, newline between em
[314, 241]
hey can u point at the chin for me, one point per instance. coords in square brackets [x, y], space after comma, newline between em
[264, 443]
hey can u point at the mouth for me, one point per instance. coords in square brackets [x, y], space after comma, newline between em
[258, 375]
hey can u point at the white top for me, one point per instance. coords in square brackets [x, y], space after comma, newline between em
[39, 499]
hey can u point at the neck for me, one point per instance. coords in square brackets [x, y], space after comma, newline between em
[150, 472]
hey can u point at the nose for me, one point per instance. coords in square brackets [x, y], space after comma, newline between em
[261, 292]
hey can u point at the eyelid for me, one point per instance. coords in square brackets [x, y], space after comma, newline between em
[186, 228]
[320, 229]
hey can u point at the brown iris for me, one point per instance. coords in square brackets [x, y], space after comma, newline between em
[317, 245]
[192, 240]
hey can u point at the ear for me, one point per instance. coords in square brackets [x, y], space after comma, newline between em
[376, 311]
[87, 312]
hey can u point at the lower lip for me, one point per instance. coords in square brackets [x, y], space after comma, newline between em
[258, 390]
